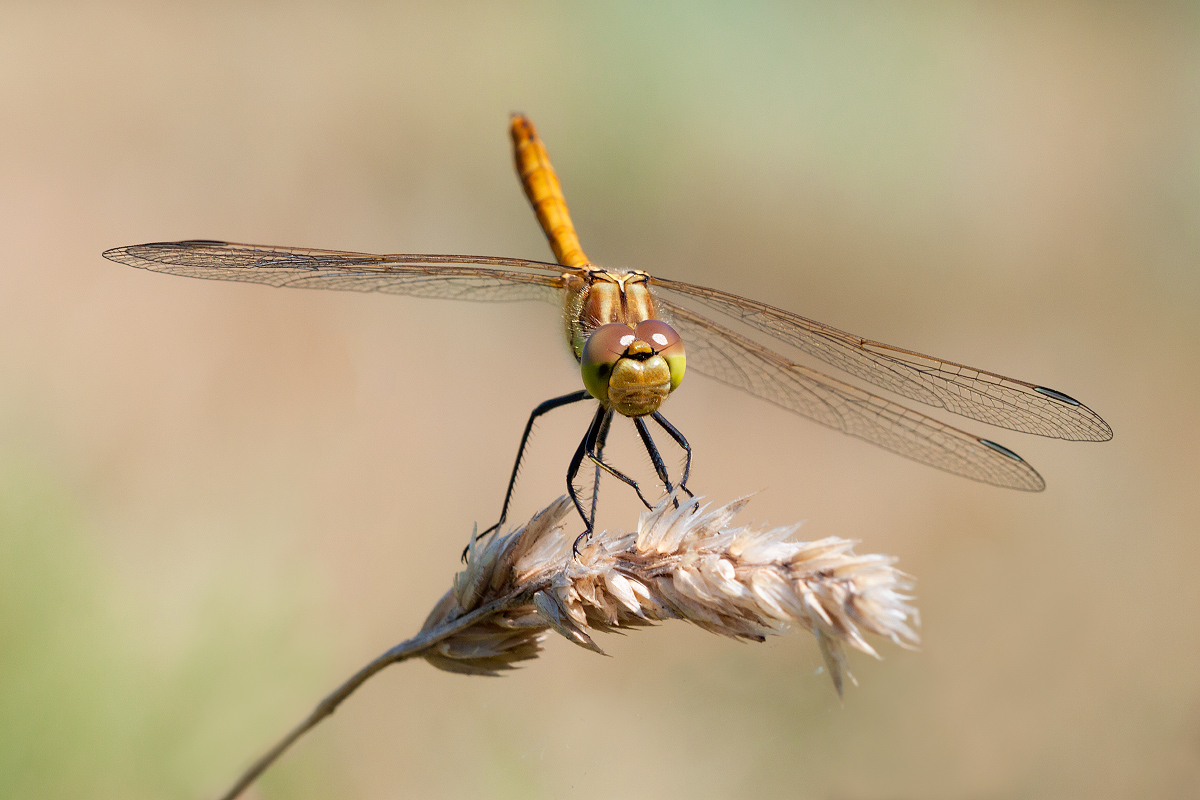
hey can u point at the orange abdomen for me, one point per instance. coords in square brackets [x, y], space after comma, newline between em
[543, 190]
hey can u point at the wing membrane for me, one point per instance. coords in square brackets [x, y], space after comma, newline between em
[735, 360]
[478, 278]
[973, 393]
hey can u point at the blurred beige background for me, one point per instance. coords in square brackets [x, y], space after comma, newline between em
[217, 500]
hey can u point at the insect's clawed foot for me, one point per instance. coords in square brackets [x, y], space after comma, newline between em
[477, 537]
[675, 497]
[580, 539]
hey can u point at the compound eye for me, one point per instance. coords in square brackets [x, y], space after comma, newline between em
[601, 353]
[667, 343]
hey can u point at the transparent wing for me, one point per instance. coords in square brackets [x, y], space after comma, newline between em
[735, 360]
[479, 278]
[963, 390]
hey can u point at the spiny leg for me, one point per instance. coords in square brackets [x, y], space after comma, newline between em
[590, 450]
[679, 438]
[549, 405]
[600, 440]
[611, 470]
[573, 469]
[655, 458]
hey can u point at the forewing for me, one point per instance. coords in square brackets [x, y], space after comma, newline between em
[478, 278]
[735, 360]
[971, 392]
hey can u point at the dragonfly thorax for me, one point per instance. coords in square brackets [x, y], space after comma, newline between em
[600, 297]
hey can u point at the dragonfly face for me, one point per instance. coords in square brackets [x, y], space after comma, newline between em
[633, 369]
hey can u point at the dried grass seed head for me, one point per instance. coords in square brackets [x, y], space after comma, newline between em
[686, 563]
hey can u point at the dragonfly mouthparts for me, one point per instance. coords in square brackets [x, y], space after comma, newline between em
[638, 351]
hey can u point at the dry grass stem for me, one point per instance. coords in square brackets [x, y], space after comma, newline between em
[685, 563]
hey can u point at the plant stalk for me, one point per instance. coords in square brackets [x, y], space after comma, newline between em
[401, 652]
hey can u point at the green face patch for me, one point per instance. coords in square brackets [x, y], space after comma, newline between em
[601, 353]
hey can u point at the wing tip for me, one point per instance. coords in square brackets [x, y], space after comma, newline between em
[1095, 430]
[129, 255]
[121, 255]
[1034, 483]
[1091, 428]
[1106, 431]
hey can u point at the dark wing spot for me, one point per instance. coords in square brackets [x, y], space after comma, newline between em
[1001, 449]
[1071, 401]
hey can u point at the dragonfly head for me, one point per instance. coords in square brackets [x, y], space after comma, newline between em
[633, 369]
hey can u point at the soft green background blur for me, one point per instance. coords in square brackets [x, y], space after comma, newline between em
[217, 500]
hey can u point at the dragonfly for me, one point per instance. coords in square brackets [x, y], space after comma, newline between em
[635, 334]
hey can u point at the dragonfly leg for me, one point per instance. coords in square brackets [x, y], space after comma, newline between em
[655, 458]
[601, 438]
[589, 443]
[679, 438]
[549, 405]
[611, 470]
[573, 471]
